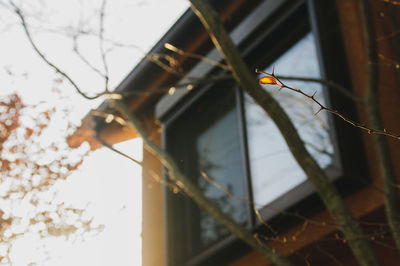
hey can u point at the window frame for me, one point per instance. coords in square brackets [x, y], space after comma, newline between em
[178, 199]
[320, 17]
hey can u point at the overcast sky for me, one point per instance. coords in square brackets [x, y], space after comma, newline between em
[108, 184]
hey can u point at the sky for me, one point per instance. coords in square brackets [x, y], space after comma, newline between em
[110, 192]
[107, 185]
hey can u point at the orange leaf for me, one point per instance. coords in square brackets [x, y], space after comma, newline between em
[28, 133]
[267, 80]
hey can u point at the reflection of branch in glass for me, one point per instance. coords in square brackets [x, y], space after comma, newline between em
[229, 194]
[319, 150]
[315, 131]
[216, 152]
[372, 236]
[192, 191]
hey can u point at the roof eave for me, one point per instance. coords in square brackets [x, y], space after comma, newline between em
[147, 75]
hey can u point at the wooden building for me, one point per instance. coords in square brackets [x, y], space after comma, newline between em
[229, 146]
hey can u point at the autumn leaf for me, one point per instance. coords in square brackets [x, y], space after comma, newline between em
[268, 80]
[28, 133]
[13, 149]
[47, 115]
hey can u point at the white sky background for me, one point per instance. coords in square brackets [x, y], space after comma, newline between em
[110, 184]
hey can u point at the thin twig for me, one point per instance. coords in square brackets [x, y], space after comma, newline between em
[83, 58]
[108, 118]
[269, 206]
[328, 254]
[388, 36]
[369, 130]
[154, 58]
[71, 31]
[232, 196]
[194, 82]
[331, 198]
[390, 62]
[171, 67]
[44, 58]
[393, 2]
[328, 83]
[105, 144]
[180, 179]
[190, 189]
[101, 46]
[197, 56]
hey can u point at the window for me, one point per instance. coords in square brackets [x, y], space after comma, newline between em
[218, 136]
[266, 146]
[206, 138]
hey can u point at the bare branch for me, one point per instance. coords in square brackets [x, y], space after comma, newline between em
[331, 198]
[105, 144]
[194, 82]
[322, 107]
[70, 31]
[83, 58]
[34, 46]
[197, 56]
[195, 193]
[327, 83]
[329, 255]
[108, 117]
[393, 2]
[172, 66]
[101, 45]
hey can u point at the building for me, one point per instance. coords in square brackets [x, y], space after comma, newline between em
[233, 151]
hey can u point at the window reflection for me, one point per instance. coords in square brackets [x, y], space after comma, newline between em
[219, 157]
[274, 170]
[205, 139]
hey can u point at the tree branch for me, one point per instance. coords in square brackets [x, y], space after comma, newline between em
[195, 193]
[105, 144]
[276, 81]
[332, 199]
[101, 45]
[196, 56]
[328, 83]
[181, 181]
[44, 58]
[83, 58]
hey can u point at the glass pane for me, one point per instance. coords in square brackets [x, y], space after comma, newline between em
[274, 170]
[205, 139]
[219, 157]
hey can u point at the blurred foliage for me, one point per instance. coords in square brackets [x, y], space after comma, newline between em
[32, 161]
